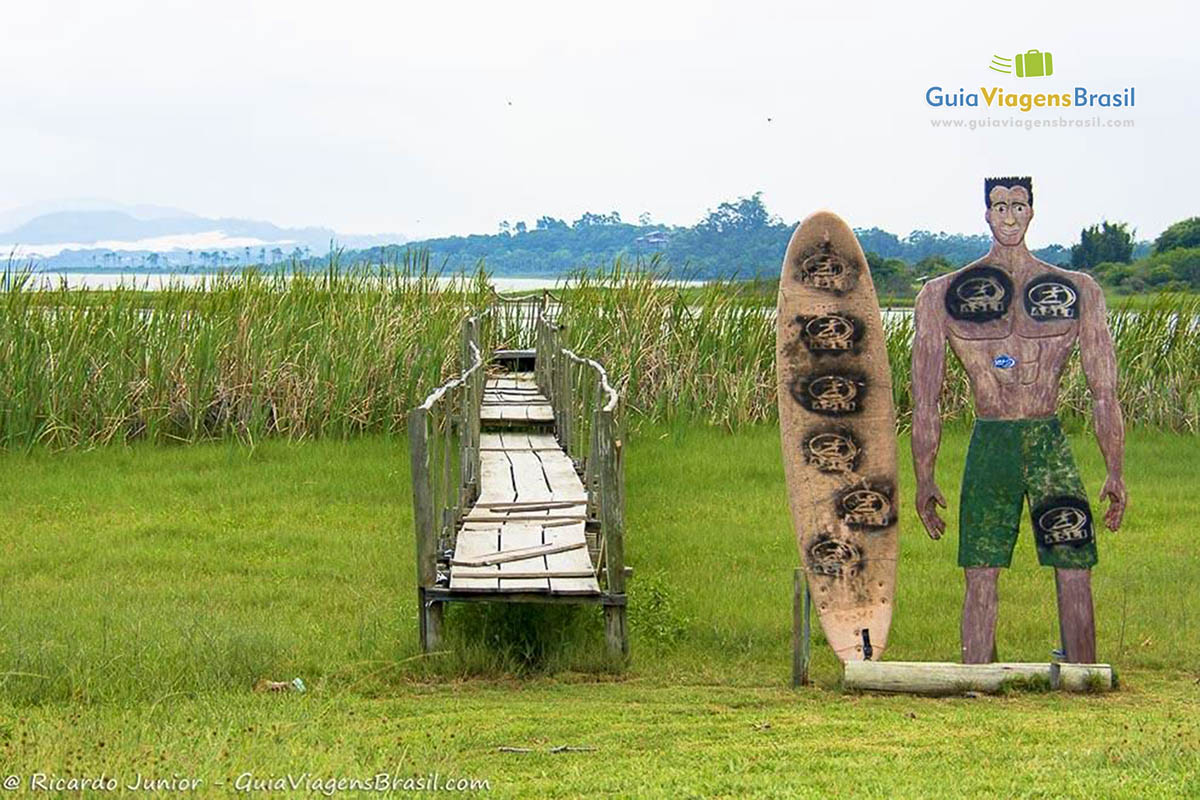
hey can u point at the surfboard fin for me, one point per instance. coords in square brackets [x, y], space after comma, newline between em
[868, 651]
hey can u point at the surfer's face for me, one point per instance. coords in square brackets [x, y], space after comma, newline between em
[1008, 214]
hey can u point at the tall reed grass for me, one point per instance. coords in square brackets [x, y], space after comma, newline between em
[296, 354]
[709, 354]
[339, 353]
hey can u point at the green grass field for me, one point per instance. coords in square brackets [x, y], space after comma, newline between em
[146, 589]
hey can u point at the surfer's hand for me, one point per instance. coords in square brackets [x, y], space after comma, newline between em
[1114, 492]
[928, 499]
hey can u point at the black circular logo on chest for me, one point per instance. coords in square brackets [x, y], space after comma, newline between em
[980, 294]
[1049, 298]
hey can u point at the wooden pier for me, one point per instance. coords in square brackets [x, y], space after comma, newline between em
[517, 483]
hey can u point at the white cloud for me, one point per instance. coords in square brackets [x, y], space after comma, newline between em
[441, 118]
[215, 240]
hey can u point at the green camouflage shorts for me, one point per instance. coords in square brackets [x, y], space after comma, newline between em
[1007, 462]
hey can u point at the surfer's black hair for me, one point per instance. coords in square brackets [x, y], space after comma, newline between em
[1011, 181]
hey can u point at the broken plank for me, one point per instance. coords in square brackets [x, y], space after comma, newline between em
[472, 543]
[504, 556]
[563, 518]
[574, 560]
[513, 537]
[553, 575]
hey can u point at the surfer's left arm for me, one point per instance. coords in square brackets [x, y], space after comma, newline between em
[1100, 368]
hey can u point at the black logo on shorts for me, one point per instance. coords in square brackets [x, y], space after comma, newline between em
[1063, 521]
[832, 395]
[867, 506]
[835, 558]
[1049, 298]
[833, 450]
[830, 333]
[823, 268]
[980, 294]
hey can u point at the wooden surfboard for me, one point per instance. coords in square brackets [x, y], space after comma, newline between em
[838, 428]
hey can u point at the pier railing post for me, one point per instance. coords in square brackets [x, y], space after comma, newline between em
[424, 524]
[612, 526]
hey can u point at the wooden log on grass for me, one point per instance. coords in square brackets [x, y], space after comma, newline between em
[944, 678]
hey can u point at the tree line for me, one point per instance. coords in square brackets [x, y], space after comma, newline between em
[742, 239]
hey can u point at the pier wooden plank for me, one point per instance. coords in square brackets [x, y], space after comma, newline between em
[473, 544]
[560, 473]
[515, 535]
[543, 441]
[495, 478]
[524, 477]
[575, 560]
[529, 477]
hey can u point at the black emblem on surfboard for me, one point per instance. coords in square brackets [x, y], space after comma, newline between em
[830, 333]
[1063, 521]
[832, 450]
[835, 558]
[980, 294]
[824, 268]
[870, 505]
[831, 394]
[1049, 298]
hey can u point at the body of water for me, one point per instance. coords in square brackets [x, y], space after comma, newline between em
[158, 280]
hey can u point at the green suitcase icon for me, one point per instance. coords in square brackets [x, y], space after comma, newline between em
[1034, 64]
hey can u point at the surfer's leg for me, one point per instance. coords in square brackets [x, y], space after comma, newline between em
[979, 615]
[1076, 619]
[989, 518]
[1066, 539]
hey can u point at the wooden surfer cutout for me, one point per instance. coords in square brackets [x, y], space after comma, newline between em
[838, 428]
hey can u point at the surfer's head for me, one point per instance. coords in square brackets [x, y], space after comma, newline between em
[1009, 208]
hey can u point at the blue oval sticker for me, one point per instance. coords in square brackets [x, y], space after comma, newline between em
[1004, 362]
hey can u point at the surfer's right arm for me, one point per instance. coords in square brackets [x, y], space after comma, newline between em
[928, 371]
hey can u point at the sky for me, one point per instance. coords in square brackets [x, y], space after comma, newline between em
[443, 118]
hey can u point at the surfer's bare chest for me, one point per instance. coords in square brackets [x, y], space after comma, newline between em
[1013, 338]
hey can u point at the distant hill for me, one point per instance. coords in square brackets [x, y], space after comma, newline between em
[738, 239]
[125, 236]
[15, 217]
